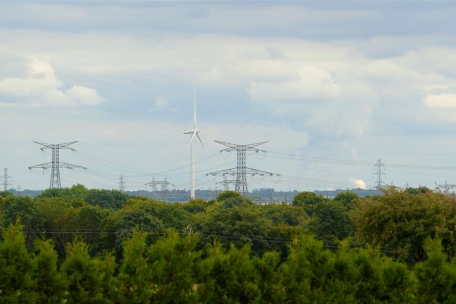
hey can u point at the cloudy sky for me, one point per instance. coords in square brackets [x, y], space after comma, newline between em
[332, 86]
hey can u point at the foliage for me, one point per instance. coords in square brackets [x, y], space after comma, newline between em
[16, 268]
[330, 221]
[90, 280]
[51, 286]
[402, 221]
[436, 277]
[22, 208]
[223, 196]
[237, 225]
[107, 199]
[231, 278]
[346, 198]
[5, 194]
[173, 271]
[285, 214]
[195, 205]
[308, 200]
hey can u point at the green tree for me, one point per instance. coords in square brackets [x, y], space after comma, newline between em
[305, 271]
[237, 225]
[402, 221]
[195, 205]
[135, 273]
[436, 277]
[23, 209]
[16, 268]
[108, 199]
[308, 200]
[6, 193]
[51, 286]
[330, 221]
[232, 277]
[268, 280]
[89, 222]
[175, 268]
[285, 214]
[222, 196]
[58, 214]
[346, 198]
[75, 191]
[90, 280]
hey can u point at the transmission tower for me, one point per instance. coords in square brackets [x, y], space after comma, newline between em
[19, 190]
[447, 186]
[163, 188]
[379, 173]
[5, 178]
[55, 165]
[121, 183]
[241, 171]
[226, 183]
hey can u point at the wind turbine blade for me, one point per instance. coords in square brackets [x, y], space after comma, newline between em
[202, 143]
[194, 108]
[193, 136]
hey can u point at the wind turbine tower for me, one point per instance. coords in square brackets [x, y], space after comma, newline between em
[194, 133]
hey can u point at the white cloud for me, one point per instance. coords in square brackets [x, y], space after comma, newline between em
[162, 104]
[358, 183]
[331, 87]
[440, 101]
[6, 105]
[84, 95]
[42, 87]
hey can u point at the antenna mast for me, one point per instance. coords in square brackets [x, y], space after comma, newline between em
[55, 165]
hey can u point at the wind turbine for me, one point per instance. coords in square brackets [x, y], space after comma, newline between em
[194, 133]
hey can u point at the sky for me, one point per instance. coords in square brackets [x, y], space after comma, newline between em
[332, 86]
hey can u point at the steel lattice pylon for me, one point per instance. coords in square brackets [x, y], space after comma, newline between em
[378, 166]
[55, 165]
[226, 183]
[5, 178]
[241, 171]
[164, 188]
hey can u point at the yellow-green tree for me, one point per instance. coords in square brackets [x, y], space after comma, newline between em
[402, 221]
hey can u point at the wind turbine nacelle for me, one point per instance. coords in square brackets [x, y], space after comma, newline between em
[191, 131]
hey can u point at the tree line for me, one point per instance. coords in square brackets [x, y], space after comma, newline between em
[77, 245]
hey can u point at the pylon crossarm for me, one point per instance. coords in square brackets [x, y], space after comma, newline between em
[42, 166]
[231, 171]
[259, 172]
[70, 166]
[59, 146]
[249, 147]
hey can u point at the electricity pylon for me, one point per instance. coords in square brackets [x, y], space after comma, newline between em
[226, 183]
[241, 171]
[55, 165]
[447, 186]
[378, 166]
[5, 179]
[163, 188]
[121, 183]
